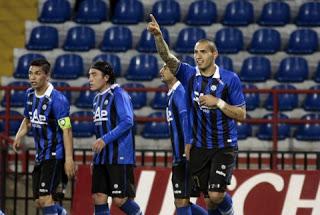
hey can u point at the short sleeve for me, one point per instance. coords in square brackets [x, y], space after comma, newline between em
[236, 96]
[184, 73]
[26, 112]
[60, 106]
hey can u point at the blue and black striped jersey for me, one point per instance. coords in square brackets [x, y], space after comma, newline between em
[44, 112]
[113, 119]
[178, 120]
[211, 128]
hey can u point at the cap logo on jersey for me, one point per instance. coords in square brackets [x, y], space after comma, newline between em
[100, 115]
[37, 118]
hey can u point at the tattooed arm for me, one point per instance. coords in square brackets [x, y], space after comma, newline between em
[162, 47]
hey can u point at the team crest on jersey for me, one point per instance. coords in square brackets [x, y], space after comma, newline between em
[44, 107]
[213, 88]
[106, 102]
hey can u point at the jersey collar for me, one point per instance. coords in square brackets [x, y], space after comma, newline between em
[47, 93]
[109, 88]
[216, 74]
[174, 87]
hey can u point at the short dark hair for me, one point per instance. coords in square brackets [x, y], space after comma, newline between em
[212, 45]
[43, 63]
[106, 69]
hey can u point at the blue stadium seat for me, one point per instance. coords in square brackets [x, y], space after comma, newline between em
[128, 12]
[139, 99]
[229, 40]
[92, 12]
[275, 13]
[187, 39]
[66, 93]
[117, 39]
[17, 97]
[113, 59]
[23, 65]
[286, 101]
[187, 59]
[316, 76]
[55, 11]
[157, 130]
[244, 130]
[252, 99]
[292, 69]
[265, 41]
[142, 67]
[303, 41]
[147, 43]
[82, 128]
[309, 131]
[265, 130]
[202, 12]
[256, 69]
[309, 14]
[14, 124]
[238, 13]
[160, 99]
[312, 101]
[224, 62]
[43, 38]
[68, 66]
[85, 99]
[167, 12]
[80, 38]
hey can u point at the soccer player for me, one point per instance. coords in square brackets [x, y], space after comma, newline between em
[180, 133]
[215, 101]
[114, 157]
[47, 113]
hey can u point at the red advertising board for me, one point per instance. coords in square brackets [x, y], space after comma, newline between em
[253, 192]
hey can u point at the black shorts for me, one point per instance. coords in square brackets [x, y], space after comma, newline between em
[47, 176]
[116, 180]
[181, 180]
[211, 169]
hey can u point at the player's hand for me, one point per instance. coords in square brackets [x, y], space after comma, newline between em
[208, 101]
[16, 144]
[187, 151]
[98, 145]
[69, 167]
[153, 26]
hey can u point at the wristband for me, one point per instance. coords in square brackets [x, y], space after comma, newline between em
[221, 104]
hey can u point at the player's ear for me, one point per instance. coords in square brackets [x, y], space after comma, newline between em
[106, 78]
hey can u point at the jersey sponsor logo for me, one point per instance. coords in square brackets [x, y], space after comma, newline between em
[169, 115]
[221, 173]
[100, 115]
[37, 119]
[197, 100]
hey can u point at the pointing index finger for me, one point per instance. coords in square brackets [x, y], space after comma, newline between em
[153, 19]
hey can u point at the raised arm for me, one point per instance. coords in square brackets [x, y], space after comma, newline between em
[162, 46]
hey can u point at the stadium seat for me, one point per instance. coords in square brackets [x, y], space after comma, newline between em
[303, 41]
[157, 130]
[14, 124]
[187, 59]
[187, 38]
[309, 14]
[139, 99]
[167, 12]
[17, 97]
[143, 68]
[113, 59]
[128, 12]
[292, 69]
[275, 13]
[92, 12]
[82, 128]
[68, 66]
[265, 131]
[229, 40]
[316, 76]
[85, 99]
[147, 43]
[66, 93]
[255, 69]
[43, 38]
[252, 99]
[312, 101]
[286, 101]
[244, 130]
[265, 41]
[80, 38]
[238, 13]
[23, 65]
[117, 39]
[309, 131]
[160, 99]
[55, 11]
[224, 62]
[202, 12]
